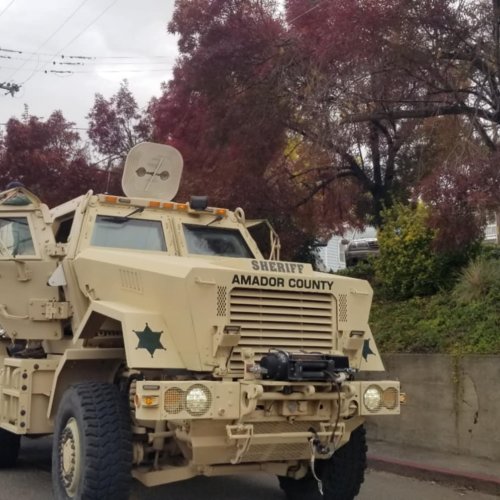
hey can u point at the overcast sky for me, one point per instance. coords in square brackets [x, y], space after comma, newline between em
[127, 38]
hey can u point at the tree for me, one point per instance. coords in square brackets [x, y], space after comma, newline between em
[117, 124]
[262, 100]
[326, 109]
[48, 158]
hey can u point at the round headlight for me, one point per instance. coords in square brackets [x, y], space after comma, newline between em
[390, 398]
[198, 400]
[372, 398]
[174, 400]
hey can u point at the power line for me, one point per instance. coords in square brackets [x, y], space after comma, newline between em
[307, 11]
[124, 70]
[54, 33]
[78, 34]
[6, 8]
[79, 56]
[85, 62]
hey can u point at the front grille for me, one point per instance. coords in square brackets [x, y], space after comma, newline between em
[288, 320]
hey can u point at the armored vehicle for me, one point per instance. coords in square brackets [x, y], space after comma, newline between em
[154, 339]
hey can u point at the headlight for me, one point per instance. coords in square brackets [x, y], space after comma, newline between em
[372, 398]
[198, 400]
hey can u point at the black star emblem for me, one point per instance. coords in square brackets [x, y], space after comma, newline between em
[149, 340]
[367, 350]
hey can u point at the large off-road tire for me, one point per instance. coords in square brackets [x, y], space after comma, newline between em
[342, 475]
[92, 450]
[9, 448]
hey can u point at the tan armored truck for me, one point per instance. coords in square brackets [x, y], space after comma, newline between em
[154, 340]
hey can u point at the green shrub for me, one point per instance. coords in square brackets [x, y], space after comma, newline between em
[489, 251]
[364, 269]
[438, 324]
[407, 265]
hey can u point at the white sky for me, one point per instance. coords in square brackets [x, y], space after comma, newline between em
[127, 39]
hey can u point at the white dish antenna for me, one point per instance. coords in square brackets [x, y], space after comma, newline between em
[152, 171]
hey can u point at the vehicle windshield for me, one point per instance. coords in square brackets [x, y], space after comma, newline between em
[205, 240]
[134, 234]
[15, 237]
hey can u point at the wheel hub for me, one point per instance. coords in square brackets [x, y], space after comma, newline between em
[69, 457]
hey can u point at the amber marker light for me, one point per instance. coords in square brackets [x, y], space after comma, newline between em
[150, 401]
[154, 204]
[111, 199]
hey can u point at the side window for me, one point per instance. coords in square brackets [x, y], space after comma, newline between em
[15, 237]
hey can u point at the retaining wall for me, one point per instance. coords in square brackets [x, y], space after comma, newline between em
[453, 404]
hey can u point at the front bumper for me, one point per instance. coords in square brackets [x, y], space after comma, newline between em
[256, 421]
[246, 399]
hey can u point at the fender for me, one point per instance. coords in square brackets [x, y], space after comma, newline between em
[78, 365]
[147, 340]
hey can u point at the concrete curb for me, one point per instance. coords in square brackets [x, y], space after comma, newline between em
[479, 482]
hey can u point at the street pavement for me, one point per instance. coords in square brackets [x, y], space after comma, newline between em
[32, 481]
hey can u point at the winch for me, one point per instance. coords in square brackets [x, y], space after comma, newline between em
[292, 366]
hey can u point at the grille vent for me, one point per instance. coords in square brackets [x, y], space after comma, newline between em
[282, 451]
[289, 320]
[221, 301]
[130, 280]
[342, 308]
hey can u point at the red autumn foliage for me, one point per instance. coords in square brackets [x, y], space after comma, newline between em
[320, 113]
[460, 195]
[47, 157]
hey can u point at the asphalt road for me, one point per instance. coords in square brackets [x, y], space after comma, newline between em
[32, 481]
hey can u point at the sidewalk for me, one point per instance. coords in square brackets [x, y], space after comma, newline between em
[469, 472]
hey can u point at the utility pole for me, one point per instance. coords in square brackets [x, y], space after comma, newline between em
[11, 88]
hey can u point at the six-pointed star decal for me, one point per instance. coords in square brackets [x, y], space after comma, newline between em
[367, 350]
[149, 340]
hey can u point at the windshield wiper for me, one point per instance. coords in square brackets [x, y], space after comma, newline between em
[215, 219]
[123, 218]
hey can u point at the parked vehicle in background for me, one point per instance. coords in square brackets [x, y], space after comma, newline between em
[360, 249]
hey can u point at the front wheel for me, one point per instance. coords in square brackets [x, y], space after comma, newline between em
[92, 451]
[9, 448]
[341, 475]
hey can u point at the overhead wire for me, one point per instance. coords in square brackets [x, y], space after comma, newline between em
[307, 11]
[5, 9]
[77, 35]
[80, 56]
[52, 35]
[85, 62]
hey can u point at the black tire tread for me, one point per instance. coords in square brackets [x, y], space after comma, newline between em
[107, 436]
[342, 475]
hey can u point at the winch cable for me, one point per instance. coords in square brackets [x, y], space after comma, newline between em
[312, 464]
[315, 442]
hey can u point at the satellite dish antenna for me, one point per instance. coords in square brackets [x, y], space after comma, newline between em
[152, 171]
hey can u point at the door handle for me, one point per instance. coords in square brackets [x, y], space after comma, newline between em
[5, 314]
